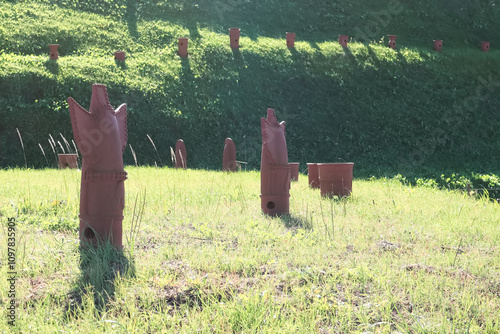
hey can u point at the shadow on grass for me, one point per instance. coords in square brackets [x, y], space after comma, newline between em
[402, 58]
[121, 64]
[99, 269]
[350, 56]
[186, 72]
[292, 221]
[131, 18]
[373, 55]
[52, 66]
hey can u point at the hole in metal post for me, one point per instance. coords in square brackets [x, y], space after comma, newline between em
[89, 233]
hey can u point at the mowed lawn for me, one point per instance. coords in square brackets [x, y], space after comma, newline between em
[199, 256]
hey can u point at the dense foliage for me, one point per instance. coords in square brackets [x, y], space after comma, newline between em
[414, 111]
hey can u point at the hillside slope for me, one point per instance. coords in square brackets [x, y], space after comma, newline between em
[413, 110]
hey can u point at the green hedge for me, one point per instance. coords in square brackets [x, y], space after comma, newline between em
[410, 111]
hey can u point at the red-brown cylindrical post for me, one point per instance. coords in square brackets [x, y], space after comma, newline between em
[180, 154]
[290, 39]
[68, 161]
[392, 41]
[229, 163]
[101, 137]
[438, 45]
[120, 55]
[274, 168]
[183, 47]
[234, 36]
[294, 171]
[335, 179]
[485, 46]
[54, 54]
[343, 39]
[313, 176]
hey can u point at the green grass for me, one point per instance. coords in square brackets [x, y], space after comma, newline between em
[393, 257]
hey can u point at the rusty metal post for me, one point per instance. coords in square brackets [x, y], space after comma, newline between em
[180, 154]
[294, 171]
[68, 161]
[229, 163]
[290, 39]
[438, 45]
[101, 137]
[54, 54]
[392, 41]
[120, 55]
[312, 174]
[234, 37]
[183, 47]
[274, 168]
[343, 39]
[335, 178]
[485, 46]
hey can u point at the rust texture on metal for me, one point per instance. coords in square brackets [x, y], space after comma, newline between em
[229, 163]
[274, 168]
[54, 54]
[180, 154]
[392, 41]
[120, 55]
[183, 47]
[485, 46]
[294, 171]
[343, 39]
[234, 36]
[290, 39]
[101, 137]
[438, 45]
[335, 179]
[68, 161]
[312, 175]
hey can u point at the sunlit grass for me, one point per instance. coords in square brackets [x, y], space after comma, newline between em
[206, 258]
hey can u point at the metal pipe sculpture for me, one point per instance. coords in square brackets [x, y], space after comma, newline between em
[180, 154]
[101, 137]
[229, 163]
[274, 168]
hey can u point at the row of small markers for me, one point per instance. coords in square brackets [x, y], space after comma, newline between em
[234, 35]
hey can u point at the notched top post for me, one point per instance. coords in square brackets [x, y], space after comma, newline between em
[101, 137]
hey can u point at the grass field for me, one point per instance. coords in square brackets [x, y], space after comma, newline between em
[393, 258]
